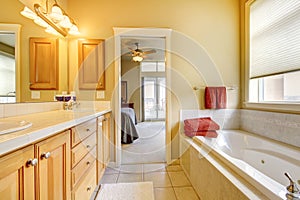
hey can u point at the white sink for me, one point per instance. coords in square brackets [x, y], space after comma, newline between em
[13, 126]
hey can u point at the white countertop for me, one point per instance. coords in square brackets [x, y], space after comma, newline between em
[44, 124]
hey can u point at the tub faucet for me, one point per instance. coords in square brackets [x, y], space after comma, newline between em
[293, 190]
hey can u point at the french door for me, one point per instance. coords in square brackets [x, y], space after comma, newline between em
[154, 98]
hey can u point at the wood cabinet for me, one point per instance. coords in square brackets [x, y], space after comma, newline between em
[103, 148]
[53, 181]
[43, 63]
[83, 160]
[91, 64]
[17, 177]
[40, 171]
[65, 166]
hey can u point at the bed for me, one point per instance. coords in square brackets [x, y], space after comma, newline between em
[128, 130]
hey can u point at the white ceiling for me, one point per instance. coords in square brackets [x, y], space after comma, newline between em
[145, 44]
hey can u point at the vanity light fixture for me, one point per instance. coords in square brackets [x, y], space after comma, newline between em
[56, 21]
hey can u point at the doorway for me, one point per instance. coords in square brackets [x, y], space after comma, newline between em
[141, 33]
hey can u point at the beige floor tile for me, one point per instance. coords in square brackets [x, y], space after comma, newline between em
[129, 178]
[159, 179]
[164, 194]
[125, 169]
[109, 178]
[184, 193]
[157, 167]
[179, 179]
[174, 168]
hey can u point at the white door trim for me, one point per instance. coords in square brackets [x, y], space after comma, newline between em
[140, 32]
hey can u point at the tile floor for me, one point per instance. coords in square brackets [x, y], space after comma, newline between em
[169, 182]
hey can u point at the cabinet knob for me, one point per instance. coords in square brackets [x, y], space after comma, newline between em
[32, 162]
[88, 146]
[89, 188]
[46, 155]
[105, 119]
[88, 163]
[87, 129]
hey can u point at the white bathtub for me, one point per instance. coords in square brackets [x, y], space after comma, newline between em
[260, 161]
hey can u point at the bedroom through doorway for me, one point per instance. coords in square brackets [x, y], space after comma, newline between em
[143, 100]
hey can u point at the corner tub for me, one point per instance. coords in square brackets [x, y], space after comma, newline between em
[261, 162]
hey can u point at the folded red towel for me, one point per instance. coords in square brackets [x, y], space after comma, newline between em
[210, 134]
[200, 124]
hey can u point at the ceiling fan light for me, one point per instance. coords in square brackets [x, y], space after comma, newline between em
[137, 58]
[26, 12]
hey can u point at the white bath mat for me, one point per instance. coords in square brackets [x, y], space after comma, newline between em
[126, 191]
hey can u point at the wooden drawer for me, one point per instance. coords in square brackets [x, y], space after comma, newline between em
[83, 148]
[82, 131]
[86, 186]
[82, 167]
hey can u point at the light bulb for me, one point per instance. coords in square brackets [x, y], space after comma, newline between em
[137, 58]
[26, 12]
[74, 30]
[65, 23]
[56, 13]
[40, 22]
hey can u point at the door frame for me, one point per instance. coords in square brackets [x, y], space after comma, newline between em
[116, 108]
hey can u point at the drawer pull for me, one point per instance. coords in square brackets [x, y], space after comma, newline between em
[87, 129]
[89, 188]
[88, 163]
[46, 155]
[32, 162]
[88, 146]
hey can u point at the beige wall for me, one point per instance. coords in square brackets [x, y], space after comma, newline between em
[212, 24]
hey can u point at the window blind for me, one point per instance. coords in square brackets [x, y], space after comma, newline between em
[274, 37]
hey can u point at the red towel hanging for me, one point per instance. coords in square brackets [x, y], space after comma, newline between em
[215, 97]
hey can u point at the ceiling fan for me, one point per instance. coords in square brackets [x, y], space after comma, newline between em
[138, 55]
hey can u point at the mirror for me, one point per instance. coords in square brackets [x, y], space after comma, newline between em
[9, 63]
[7, 68]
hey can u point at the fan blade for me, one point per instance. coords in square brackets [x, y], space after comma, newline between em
[150, 51]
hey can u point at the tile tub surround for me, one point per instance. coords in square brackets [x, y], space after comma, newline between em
[212, 179]
[277, 126]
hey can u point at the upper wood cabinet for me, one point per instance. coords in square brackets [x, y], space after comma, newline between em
[91, 64]
[43, 63]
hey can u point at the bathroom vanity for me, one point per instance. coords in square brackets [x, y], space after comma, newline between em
[63, 155]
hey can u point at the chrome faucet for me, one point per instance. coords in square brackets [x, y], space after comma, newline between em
[70, 105]
[293, 190]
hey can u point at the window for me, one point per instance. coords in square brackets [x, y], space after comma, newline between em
[152, 66]
[274, 51]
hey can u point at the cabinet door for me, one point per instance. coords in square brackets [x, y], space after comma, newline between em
[53, 172]
[16, 177]
[43, 63]
[91, 64]
[106, 138]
